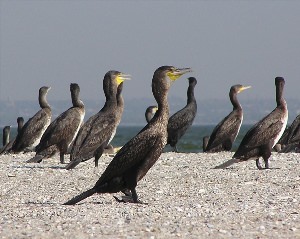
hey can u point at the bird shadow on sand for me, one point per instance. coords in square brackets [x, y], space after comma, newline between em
[40, 167]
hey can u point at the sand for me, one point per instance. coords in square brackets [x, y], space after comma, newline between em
[186, 198]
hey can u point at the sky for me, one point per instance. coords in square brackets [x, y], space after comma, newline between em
[56, 43]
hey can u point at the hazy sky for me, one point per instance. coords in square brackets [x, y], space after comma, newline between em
[225, 42]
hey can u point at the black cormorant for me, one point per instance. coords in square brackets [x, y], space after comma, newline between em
[290, 140]
[98, 130]
[261, 138]
[62, 131]
[31, 134]
[8, 147]
[138, 155]
[224, 134]
[150, 112]
[183, 119]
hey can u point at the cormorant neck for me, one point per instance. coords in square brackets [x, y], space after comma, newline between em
[20, 126]
[234, 101]
[75, 100]
[43, 101]
[279, 96]
[190, 94]
[163, 108]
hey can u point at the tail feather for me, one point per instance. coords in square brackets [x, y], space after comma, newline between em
[81, 196]
[73, 164]
[227, 163]
[36, 159]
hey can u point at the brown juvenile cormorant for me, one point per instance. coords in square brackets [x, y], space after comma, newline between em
[261, 138]
[224, 134]
[8, 147]
[62, 131]
[138, 155]
[31, 134]
[98, 130]
[150, 112]
[183, 119]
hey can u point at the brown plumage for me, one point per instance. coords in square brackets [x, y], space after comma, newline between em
[262, 137]
[99, 129]
[62, 131]
[138, 155]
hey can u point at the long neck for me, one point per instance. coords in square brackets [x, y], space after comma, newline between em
[75, 100]
[234, 101]
[20, 125]
[43, 101]
[190, 94]
[279, 96]
[163, 109]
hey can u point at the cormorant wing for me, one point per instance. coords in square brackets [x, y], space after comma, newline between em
[132, 154]
[294, 131]
[62, 128]
[31, 127]
[263, 131]
[225, 130]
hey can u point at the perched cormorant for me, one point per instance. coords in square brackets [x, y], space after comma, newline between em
[183, 119]
[138, 155]
[99, 129]
[224, 134]
[150, 112]
[261, 138]
[62, 131]
[31, 134]
[290, 140]
[5, 135]
[8, 147]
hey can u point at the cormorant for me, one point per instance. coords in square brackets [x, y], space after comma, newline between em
[261, 138]
[150, 112]
[183, 119]
[62, 131]
[139, 154]
[5, 135]
[8, 147]
[99, 129]
[224, 134]
[290, 140]
[31, 134]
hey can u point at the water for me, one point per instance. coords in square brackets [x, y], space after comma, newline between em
[191, 142]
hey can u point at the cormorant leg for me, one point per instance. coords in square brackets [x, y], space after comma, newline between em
[258, 164]
[127, 192]
[135, 196]
[266, 163]
[62, 158]
[175, 148]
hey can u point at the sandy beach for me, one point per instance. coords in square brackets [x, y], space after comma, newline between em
[186, 198]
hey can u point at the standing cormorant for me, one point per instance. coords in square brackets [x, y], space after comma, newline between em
[98, 130]
[150, 112]
[5, 135]
[261, 138]
[62, 131]
[31, 134]
[224, 134]
[138, 155]
[183, 119]
[8, 147]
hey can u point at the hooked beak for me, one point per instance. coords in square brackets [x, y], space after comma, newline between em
[121, 77]
[174, 75]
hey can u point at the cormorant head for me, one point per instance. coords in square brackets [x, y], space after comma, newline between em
[192, 81]
[165, 75]
[20, 120]
[43, 90]
[279, 81]
[111, 81]
[235, 89]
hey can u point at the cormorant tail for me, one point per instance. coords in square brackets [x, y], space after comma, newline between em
[73, 164]
[36, 159]
[81, 196]
[227, 163]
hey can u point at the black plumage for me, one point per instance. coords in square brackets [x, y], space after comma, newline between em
[290, 140]
[150, 112]
[225, 133]
[262, 137]
[183, 119]
[138, 155]
[99, 129]
[62, 131]
[8, 147]
[31, 134]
